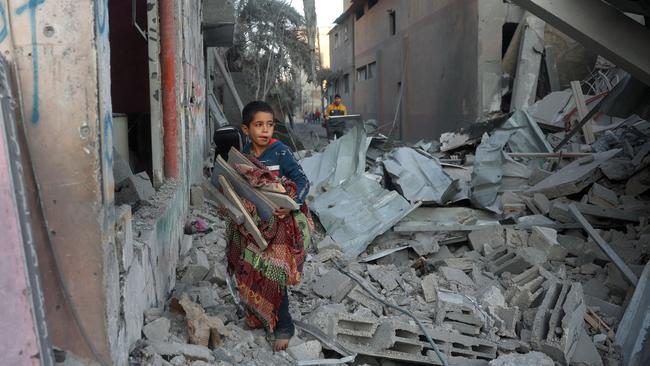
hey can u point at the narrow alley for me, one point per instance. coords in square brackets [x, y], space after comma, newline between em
[349, 182]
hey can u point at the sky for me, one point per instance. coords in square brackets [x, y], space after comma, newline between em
[326, 10]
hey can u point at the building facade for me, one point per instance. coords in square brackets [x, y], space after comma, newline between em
[79, 68]
[424, 66]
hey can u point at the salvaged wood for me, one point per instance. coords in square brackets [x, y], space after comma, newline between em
[212, 192]
[249, 224]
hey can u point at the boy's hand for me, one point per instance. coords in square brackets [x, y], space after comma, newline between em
[281, 212]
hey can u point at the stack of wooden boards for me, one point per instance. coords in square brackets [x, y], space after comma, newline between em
[266, 198]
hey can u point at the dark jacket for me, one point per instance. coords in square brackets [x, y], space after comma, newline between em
[279, 159]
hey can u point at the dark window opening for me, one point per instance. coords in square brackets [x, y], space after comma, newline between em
[130, 95]
[359, 12]
[372, 3]
[392, 23]
[362, 73]
[346, 83]
[507, 32]
[372, 70]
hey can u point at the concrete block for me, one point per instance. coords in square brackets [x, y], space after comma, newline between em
[385, 275]
[309, 350]
[603, 197]
[186, 245]
[360, 296]
[217, 274]
[506, 320]
[525, 288]
[516, 238]
[519, 359]
[558, 321]
[198, 268]
[459, 312]
[492, 235]
[429, 285]
[586, 353]
[398, 337]
[542, 203]
[196, 196]
[157, 330]
[327, 243]
[190, 351]
[545, 239]
[134, 189]
[424, 244]
[505, 260]
[533, 256]
[333, 285]
[457, 276]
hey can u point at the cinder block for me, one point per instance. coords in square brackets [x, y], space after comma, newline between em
[506, 260]
[545, 239]
[333, 285]
[197, 269]
[359, 295]
[557, 324]
[459, 312]
[525, 288]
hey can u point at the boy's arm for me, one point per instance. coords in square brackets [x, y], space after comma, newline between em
[291, 169]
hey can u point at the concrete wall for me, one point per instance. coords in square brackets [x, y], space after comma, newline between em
[61, 53]
[447, 53]
[434, 52]
[342, 61]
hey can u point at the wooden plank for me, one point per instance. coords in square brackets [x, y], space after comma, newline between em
[581, 105]
[264, 206]
[212, 192]
[249, 224]
[618, 262]
[281, 200]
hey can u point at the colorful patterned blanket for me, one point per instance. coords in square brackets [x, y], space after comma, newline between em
[263, 275]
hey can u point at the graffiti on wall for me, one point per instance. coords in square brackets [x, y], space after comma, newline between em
[31, 6]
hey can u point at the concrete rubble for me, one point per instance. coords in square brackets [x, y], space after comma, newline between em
[504, 275]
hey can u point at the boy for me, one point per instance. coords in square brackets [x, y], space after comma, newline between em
[287, 249]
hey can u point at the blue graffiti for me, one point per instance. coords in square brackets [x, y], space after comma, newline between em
[31, 5]
[101, 8]
[108, 139]
[4, 31]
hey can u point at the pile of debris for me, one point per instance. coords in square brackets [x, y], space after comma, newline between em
[517, 243]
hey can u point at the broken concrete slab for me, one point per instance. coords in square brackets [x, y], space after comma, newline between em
[492, 235]
[518, 359]
[327, 243]
[191, 351]
[603, 197]
[542, 203]
[197, 269]
[310, 350]
[424, 244]
[134, 189]
[386, 276]
[545, 239]
[430, 285]
[359, 295]
[586, 353]
[334, 285]
[456, 276]
[157, 330]
[574, 177]
[196, 196]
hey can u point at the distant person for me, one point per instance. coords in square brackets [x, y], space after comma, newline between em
[317, 116]
[335, 109]
[306, 117]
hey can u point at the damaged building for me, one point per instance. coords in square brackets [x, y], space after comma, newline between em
[491, 207]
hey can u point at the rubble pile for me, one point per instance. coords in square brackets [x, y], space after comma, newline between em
[499, 246]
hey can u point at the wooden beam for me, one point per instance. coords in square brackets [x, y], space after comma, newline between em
[249, 224]
[212, 192]
[618, 262]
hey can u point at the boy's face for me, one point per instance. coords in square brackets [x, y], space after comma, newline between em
[260, 130]
[337, 101]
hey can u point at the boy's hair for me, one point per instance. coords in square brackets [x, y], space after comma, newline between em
[249, 111]
[337, 96]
